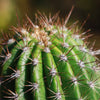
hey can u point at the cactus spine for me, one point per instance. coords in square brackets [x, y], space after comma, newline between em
[49, 61]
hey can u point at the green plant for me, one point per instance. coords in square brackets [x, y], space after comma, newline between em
[49, 61]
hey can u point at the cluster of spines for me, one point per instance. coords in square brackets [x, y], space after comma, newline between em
[50, 38]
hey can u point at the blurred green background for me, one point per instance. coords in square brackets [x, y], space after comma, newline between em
[9, 8]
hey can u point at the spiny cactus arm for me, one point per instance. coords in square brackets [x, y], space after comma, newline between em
[77, 56]
[21, 67]
[38, 87]
[53, 84]
[87, 71]
[65, 67]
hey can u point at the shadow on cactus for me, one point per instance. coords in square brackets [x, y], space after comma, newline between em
[49, 61]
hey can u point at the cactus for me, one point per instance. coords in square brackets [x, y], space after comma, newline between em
[49, 61]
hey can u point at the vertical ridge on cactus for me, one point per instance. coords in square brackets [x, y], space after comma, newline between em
[48, 61]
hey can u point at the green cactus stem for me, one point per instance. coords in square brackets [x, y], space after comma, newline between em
[49, 61]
